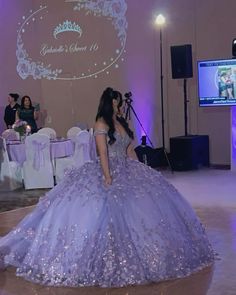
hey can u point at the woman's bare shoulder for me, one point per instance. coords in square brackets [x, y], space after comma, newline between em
[100, 125]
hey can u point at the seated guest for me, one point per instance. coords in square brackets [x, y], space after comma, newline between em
[10, 110]
[27, 113]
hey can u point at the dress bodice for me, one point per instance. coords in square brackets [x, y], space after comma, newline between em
[28, 116]
[119, 147]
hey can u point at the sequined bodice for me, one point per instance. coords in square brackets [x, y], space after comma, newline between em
[119, 147]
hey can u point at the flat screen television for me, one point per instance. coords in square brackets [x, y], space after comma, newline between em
[217, 82]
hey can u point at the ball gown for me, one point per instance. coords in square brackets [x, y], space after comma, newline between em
[81, 233]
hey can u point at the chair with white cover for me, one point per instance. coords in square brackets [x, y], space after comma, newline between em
[11, 134]
[48, 131]
[10, 171]
[79, 158]
[82, 125]
[72, 132]
[38, 168]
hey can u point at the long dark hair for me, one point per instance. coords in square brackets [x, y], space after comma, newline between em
[23, 101]
[105, 111]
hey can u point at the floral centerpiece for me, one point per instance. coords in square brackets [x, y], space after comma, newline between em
[21, 127]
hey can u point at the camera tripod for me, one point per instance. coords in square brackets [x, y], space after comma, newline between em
[128, 102]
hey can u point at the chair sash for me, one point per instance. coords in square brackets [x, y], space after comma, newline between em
[93, 151]
[38, 158]
[2, 149]
[84, 147]
[2, 146]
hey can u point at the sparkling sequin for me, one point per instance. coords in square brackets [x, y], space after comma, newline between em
[81, 233]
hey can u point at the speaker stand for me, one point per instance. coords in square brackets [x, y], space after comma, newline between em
[185, 108]
[163, 150]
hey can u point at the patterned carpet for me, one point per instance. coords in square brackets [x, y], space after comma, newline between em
[19, 198]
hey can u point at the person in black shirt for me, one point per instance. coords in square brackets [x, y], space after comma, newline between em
[10, 110]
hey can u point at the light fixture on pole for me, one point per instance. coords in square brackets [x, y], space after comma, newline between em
[160, 22]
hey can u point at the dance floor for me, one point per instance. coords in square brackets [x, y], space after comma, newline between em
[211, 193]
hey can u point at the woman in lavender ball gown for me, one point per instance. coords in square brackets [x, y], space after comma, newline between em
[110, 223]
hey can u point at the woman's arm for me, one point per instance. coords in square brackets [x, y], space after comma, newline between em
[131, 152]
[36, 115]
[101, 143]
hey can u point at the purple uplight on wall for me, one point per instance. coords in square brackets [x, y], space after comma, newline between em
[233, 143]
[141, 80]
[141, 69]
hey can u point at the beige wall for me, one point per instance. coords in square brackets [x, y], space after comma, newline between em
[207, 25]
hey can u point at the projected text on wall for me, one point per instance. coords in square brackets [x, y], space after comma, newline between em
[82, 40]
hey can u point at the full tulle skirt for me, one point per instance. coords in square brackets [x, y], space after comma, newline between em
[81, 233]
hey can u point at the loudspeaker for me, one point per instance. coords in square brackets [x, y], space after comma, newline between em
[234, 48]
[189, 152]
[181, 61]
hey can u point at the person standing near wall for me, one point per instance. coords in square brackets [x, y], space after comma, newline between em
[27, 113]
[10, 110]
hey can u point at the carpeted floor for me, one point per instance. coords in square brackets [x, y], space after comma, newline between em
[19, 198]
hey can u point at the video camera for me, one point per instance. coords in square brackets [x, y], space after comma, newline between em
[128, 96]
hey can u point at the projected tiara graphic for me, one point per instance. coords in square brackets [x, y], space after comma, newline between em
[67, 26]
[112, 10]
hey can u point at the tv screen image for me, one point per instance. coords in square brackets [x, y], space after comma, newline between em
[217, 82]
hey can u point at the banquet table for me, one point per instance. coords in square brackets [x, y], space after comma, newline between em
[58, 148]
